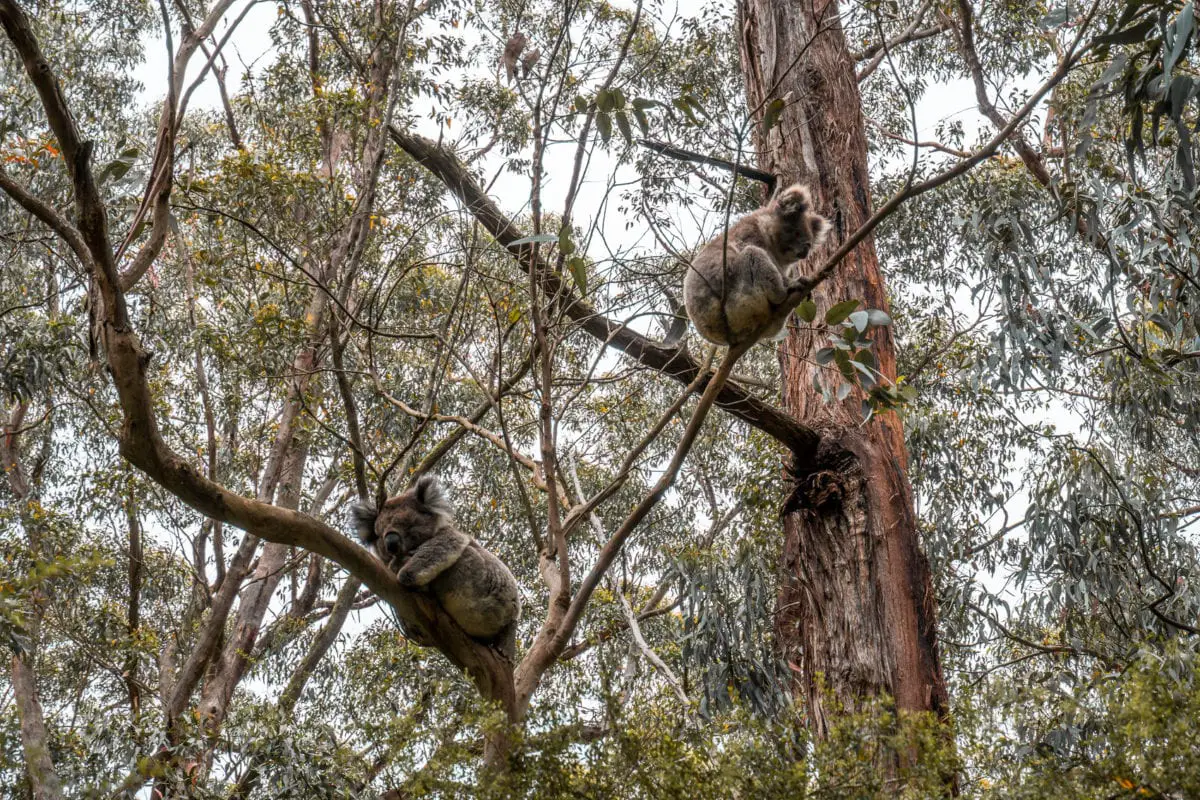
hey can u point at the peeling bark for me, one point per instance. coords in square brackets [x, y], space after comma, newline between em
[857, 606]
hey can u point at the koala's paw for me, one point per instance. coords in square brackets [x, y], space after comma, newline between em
[794, 200]
[407, 578]
[799, 288]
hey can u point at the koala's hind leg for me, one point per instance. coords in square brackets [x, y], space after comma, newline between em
[506, 642]
[432, 559]
[754, 290]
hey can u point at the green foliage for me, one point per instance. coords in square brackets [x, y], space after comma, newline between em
[655, 754]
[1130, 734]
[1048, 387]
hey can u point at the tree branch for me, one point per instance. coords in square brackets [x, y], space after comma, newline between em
[672, 361]
[914, 143]
[48, 215]
[35, 742]
[304, 670]
[878, 51]
[93, 225]
[680, 154]
[158, 188]
[1032, 160]
[667, 673]
[1048, 649]
[550, 642]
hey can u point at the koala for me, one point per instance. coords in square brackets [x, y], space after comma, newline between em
[414, 534]
[760, 264]
[512, 52]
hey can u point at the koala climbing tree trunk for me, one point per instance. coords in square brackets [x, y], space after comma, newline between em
[857, 611]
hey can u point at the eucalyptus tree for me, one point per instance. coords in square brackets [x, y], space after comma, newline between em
[264, 314]
[381, 255]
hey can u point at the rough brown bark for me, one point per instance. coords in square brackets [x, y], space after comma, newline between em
[857, 607]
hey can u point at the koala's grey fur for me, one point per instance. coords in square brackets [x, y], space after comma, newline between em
[512, 52]
[414, 534]
[758, 255]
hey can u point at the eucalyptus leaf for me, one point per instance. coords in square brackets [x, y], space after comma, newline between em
[604, 125]
[577, 266]
[840, 311]
[540, 238]
[877, 318]
[623, 126]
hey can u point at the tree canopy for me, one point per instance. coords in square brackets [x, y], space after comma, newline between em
[339, 245]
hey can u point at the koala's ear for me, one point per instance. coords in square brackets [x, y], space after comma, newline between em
[820, 229]
[793, 200]
[430, 493]
[363, 516]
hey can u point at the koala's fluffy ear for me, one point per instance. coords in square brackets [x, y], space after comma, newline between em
[820, 229]
[363, 516]
[430, 493]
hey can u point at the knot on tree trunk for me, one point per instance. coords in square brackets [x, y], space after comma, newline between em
[818, 478]
[817, 491]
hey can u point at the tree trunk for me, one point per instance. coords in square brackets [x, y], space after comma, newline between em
[44, 782]
[857, 611]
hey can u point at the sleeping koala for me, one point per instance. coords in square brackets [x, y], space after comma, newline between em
[741, 286]
[415, 535]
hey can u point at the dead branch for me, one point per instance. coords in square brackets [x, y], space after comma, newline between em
[680, 154]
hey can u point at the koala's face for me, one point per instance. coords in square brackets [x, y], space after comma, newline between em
[403, 524]
[800, 229]
[406, 521]
[800, 234]
[809, 230]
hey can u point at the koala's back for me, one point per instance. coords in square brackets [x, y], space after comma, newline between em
[480, 593]
[734, 313]
[759, 229]
[738, 284]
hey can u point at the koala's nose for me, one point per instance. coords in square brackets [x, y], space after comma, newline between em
[391, 543]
